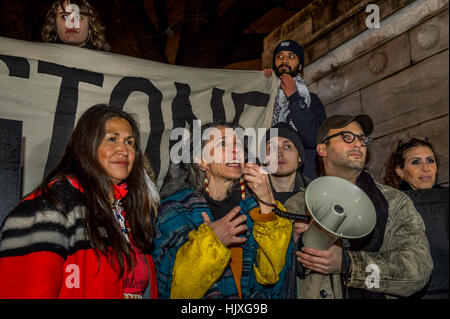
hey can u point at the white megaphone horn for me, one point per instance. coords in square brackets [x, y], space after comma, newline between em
[338, 208]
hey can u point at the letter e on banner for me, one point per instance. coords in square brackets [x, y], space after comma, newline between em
[73, 280]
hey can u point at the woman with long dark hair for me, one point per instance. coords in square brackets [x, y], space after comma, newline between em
[87, 230]
[217, 235]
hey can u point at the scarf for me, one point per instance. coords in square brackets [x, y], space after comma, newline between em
[120, 191]
[281, 108]
[373, 241]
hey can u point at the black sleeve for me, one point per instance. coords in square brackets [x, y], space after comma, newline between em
[307, 120]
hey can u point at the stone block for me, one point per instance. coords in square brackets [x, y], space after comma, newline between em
[429, 38]
[414, 95]
[387, 59]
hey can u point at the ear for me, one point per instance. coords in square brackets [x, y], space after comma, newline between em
[399, 172]
[321, 150]
[202, 165]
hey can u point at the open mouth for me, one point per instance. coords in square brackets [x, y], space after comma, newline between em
[234, 163]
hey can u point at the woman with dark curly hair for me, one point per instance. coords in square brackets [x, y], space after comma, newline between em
[413, 165]
[89, 33]
[87, 230]
[412, 168]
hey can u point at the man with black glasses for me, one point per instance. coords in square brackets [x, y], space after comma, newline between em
[394, 259]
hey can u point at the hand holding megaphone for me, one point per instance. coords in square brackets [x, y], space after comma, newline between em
[322, 261]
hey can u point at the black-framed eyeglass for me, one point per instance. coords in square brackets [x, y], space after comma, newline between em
[349, 137]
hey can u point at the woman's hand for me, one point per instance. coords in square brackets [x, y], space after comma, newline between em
[258, 180]
[228, 227]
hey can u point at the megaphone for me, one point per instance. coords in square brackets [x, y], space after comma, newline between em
[338, 208]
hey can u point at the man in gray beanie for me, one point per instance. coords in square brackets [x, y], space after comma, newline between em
[294, 104]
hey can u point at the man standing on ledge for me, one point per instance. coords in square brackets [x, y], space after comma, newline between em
[397, 249]
[294, 104]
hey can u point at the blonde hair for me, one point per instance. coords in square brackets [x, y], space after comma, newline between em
[96, 29]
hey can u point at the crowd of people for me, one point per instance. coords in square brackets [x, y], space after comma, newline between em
[220, 226]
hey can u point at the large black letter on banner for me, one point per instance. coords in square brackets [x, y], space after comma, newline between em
[66, 108]
[120, 95]
[217, 105]
[181, 109]
[254, 98]
[17, 66]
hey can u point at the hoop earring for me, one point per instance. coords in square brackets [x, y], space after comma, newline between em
[89, 36]
[206, 185]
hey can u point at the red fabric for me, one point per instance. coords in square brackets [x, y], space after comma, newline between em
[45, 275]
[84, 274]
[36, 275]
[153, 283]
[135, 282]
[120, 191]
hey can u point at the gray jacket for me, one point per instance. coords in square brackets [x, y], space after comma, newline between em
[404, 259]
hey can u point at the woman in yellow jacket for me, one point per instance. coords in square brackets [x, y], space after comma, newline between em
[217, 234]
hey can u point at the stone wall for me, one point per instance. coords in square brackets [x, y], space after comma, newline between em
[398, 74]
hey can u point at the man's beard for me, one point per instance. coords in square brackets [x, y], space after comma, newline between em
[353, 164]
[292, 72]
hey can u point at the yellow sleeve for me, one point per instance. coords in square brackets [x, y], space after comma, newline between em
[199, 263]
[272, 233]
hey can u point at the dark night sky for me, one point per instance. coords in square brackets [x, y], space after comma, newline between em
[202, 33]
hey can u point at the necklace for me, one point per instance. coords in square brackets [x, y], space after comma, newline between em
[117, 210]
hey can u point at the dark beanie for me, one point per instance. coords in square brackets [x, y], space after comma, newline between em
[289, 45]
[287, 131]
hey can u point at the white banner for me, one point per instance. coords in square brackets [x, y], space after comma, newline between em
[48, 87]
